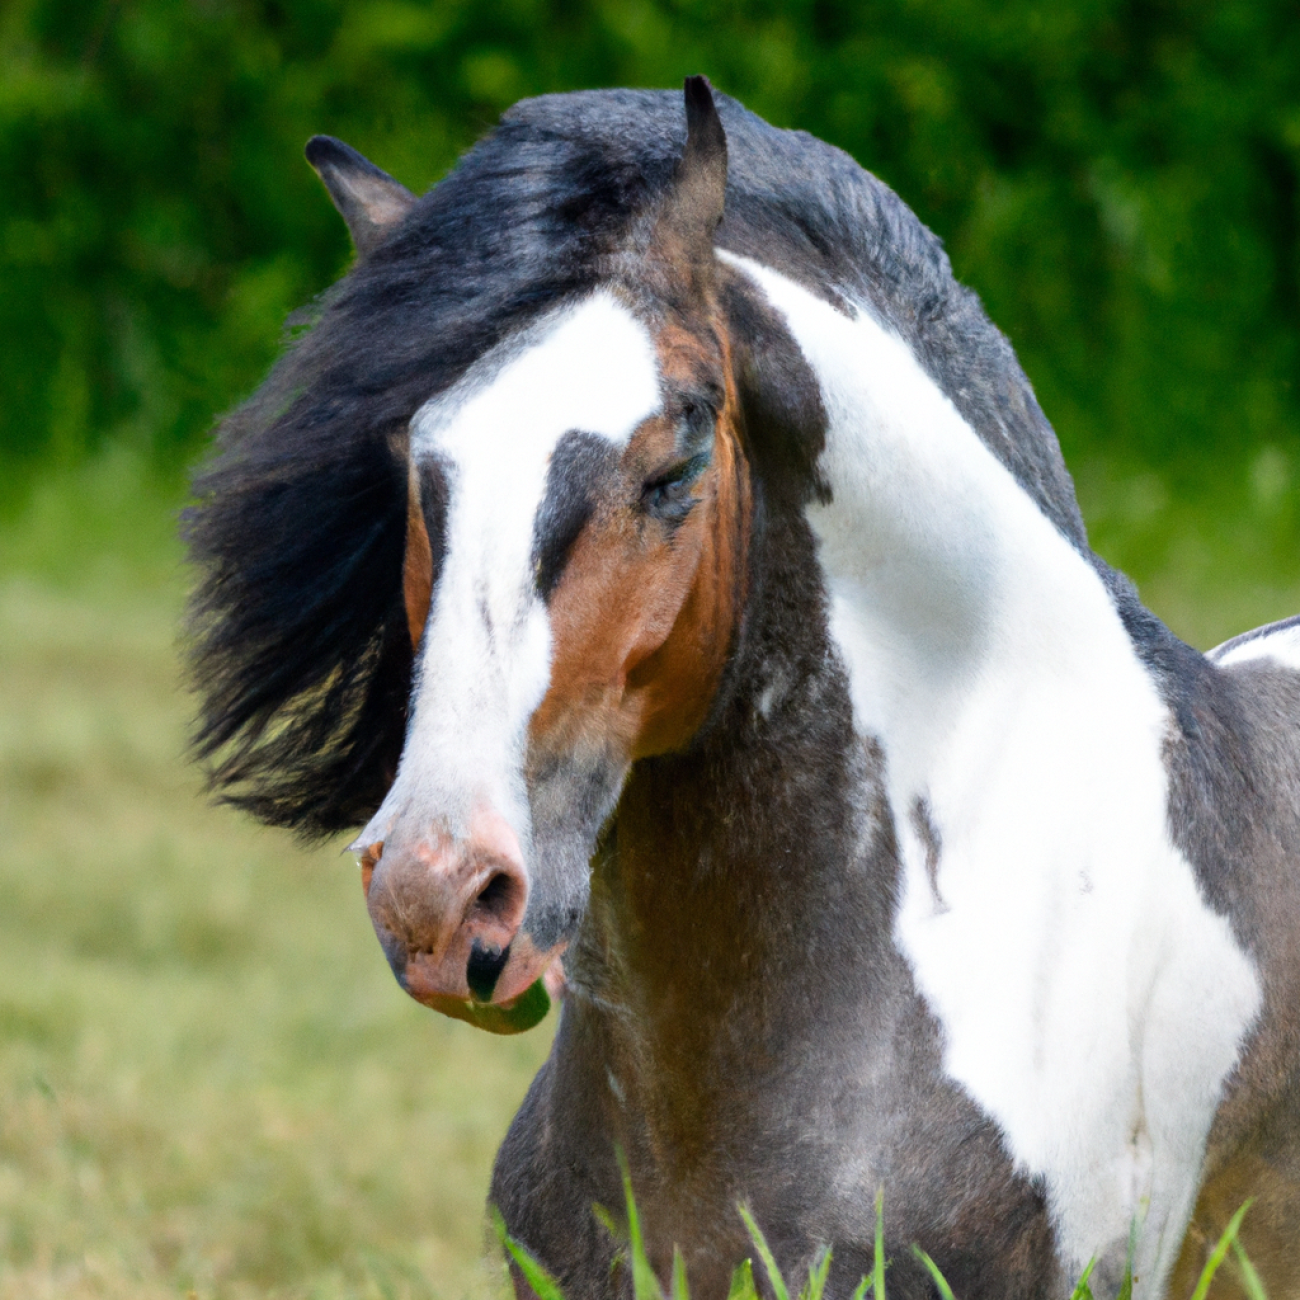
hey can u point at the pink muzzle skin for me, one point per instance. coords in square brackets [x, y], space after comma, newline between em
[448, 914]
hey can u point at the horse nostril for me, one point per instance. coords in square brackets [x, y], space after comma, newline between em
[484, 969]
[493, 920]
[499, 897]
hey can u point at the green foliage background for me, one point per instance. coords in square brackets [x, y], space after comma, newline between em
[1120, 179]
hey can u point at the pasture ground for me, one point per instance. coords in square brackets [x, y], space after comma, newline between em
[209, 1083]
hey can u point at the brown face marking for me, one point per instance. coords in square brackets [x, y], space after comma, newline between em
[417, 567]
[643, 616]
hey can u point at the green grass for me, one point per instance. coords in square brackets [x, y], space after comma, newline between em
[646, 1285]
[209, 1082]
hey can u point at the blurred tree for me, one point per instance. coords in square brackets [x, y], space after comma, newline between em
[1120, 179]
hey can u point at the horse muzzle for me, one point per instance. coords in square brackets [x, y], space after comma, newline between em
[449, 912]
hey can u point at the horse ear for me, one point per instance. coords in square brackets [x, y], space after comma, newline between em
[699, 188]
[370, 200]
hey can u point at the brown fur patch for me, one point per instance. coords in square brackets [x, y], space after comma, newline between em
[643, 618]
[417, 566]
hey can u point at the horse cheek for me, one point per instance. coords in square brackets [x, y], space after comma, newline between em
[678, 682]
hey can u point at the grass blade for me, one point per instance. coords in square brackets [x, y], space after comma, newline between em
[742, 1282]
[941, 1282]
[765, 1254]
[1126, 1283]
[1082, 1291]
[878, 1267]
[645, 1286]
[1220, 1252]
[817, 1275]
[681, 1290]
[1249, 1279]
[545, 1286]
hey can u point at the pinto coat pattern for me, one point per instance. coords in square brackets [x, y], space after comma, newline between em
[669, 564]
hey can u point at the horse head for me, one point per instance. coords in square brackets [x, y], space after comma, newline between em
[574, 562]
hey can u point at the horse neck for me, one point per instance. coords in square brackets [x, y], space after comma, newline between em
[1024, 745]
[977, 688]
[984, 651]
[741, 902]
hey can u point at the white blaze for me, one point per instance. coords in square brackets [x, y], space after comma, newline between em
[484, 662]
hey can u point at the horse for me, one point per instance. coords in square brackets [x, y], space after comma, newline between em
[667, 565]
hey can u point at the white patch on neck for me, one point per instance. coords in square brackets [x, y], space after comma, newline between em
[485, 660]
[1089, 999]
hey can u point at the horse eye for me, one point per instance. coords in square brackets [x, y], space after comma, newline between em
[699, 420]
[668, 496]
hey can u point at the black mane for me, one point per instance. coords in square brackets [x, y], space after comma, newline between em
[300, 652]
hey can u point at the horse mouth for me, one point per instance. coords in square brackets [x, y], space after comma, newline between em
[475, 972]
[522, 985]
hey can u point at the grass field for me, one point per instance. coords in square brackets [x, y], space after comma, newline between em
[209, 1082]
